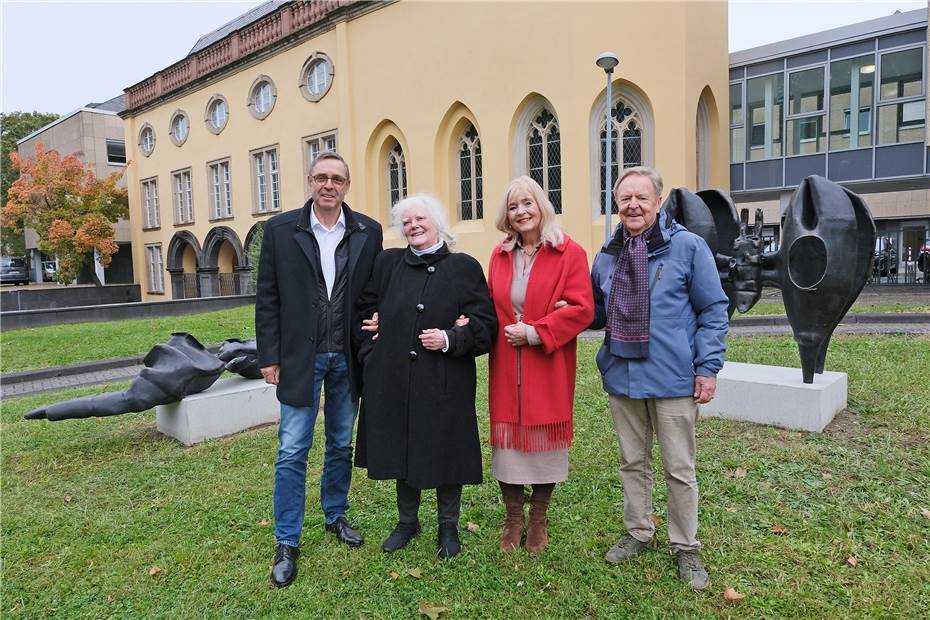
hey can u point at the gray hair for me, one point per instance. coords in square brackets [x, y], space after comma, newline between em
[433, 208]
[549, 229]
[330, 155]
[645, 171]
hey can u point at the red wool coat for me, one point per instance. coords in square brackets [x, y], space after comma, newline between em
[537, 415]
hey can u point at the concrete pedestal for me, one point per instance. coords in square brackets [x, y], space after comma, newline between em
[228, 407]
[777, 395]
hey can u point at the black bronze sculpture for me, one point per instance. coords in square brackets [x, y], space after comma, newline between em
[180, 367]
[241, 357]
[821, 266]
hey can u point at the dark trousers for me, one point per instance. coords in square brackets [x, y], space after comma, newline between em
[448, 503]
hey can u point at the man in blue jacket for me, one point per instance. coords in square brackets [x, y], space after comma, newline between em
[658, 293]
[314, 264]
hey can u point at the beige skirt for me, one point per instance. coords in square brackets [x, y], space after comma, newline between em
[517, 467]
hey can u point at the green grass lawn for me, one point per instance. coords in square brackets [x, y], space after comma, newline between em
[91, 506]
[57, 345]
[42, 347]
[777, 307]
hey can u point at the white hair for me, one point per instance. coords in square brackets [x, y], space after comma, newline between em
[645, 171]
[433, 208]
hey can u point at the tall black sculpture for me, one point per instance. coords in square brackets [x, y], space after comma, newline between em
[821, 266]
[173, 370]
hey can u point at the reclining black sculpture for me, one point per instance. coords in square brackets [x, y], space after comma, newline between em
[241, 357]
[175, 369]
[821, 266]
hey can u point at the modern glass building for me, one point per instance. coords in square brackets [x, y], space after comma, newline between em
[849, 104]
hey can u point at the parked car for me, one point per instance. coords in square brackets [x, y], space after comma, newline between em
[49, 269]
[885, 261]
[13, 270]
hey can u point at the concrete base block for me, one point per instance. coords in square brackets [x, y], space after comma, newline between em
[228, 407]
[777, 395]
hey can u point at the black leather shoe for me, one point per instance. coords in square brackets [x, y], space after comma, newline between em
[284, 569]
[402, 534]
[345, 532]
[449, 545]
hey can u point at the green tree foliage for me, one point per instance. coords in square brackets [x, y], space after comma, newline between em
[255, 251]
[15, 126]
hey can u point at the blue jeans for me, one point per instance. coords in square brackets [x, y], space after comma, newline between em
[295, 436]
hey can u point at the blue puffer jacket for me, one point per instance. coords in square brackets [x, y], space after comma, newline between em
[687, 316]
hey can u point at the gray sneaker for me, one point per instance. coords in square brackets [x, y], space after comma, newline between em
[627, 548]
[691, 569]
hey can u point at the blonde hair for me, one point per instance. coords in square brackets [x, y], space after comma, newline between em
[549, 230]
[434, 209]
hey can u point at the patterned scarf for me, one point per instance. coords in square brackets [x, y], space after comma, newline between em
[628, 305]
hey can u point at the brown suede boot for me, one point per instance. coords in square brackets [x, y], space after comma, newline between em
[537, 534]
[513, 523]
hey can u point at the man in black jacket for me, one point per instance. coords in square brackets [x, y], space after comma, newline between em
[315, 262]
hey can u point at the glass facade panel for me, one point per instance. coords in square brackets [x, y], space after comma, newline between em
[902, 74]
[737, 145]
[901, 122]
[805, 91]
[806, 136]
[764, 103]
[736, 104]
[851, 84]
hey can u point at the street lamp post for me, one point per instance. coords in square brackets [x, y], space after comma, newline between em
[607, 61]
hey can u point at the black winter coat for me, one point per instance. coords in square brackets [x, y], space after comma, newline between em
[417, 420]
[287, 302]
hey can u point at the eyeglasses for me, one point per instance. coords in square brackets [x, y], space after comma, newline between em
[337, 181]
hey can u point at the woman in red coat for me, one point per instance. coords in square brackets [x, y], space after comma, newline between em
[541, 288]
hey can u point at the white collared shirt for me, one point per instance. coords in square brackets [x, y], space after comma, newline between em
[328, 239]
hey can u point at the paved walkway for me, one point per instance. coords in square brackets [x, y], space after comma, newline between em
[61, 382]
[126, 369]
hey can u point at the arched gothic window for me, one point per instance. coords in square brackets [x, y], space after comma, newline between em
[396, 175]
[544, 156]
[625, 121]
[471, 202]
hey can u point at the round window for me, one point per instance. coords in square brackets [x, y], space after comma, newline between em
[147, 140]
[316, 77]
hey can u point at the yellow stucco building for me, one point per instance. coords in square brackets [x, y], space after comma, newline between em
[451, 98]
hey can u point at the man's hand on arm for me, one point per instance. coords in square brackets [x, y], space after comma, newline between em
[271, 374]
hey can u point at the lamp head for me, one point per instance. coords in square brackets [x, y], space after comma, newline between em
[607, 61]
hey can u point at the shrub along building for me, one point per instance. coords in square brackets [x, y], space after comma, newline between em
[449, 98]
[850, 104]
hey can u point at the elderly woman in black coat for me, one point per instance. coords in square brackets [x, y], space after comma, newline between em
[427, 315]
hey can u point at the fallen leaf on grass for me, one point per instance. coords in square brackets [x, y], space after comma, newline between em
[472, 527]
[740, 472]
[394, 574]
[852, 561]
[779, 529]
[730, 509]
[432, 611]
[263, 522]
[656, 519]
[416, 573]
[732, 595]
[925, 513]
[154, 570]
[827, 476]
[68, 498]
[226, 456]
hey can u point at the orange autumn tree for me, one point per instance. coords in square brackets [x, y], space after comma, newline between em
[71, 210]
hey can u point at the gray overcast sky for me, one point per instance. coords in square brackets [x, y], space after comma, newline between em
[58, 56]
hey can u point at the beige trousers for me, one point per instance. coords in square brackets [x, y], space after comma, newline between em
[673, 421]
